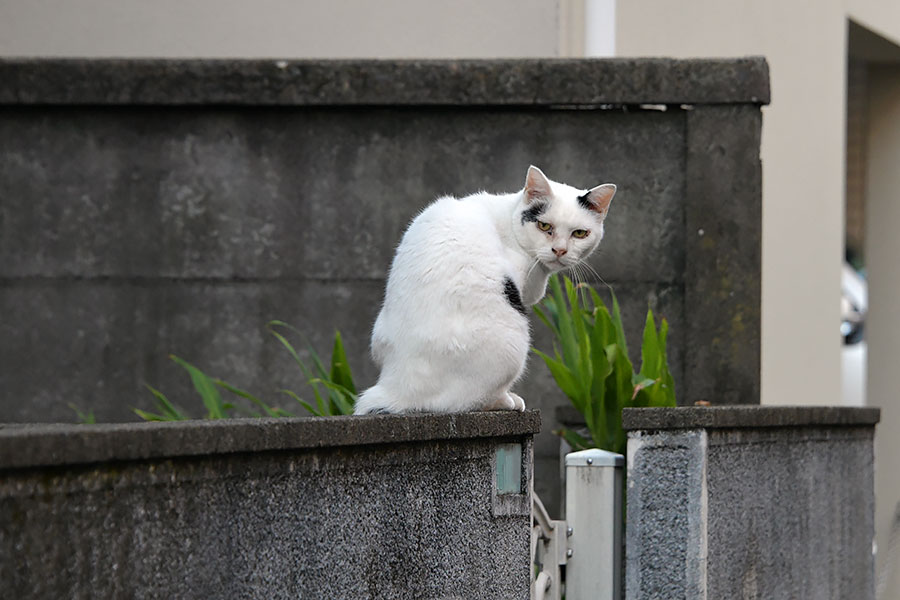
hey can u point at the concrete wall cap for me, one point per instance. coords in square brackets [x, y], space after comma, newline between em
[738, 417]
[594, 457]
[31, 445]
[487, 82]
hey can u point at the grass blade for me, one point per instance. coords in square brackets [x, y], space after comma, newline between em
[165, 406]
[85, 418]
[576, 440]
[205, 387]
[650, 349]
[268, 410]
[304, 404]
[340, 367]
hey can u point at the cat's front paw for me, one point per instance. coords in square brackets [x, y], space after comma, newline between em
[507, 401]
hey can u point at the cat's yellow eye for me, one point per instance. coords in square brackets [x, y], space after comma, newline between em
[580, 233]
[544, 226]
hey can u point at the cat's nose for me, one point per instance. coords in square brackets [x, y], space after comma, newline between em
[559, 251]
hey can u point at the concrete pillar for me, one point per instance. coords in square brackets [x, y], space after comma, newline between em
[750, 502]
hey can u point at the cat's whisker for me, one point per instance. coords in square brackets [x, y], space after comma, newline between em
[588, 269]
[584, 264]
[531, 268]
[582, 281]
[603, 281]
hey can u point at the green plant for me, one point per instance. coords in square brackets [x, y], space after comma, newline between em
[340, 391]
[332, 388]
[86, 418]
[591, 366]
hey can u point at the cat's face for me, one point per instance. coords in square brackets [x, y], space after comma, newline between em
[560, 225]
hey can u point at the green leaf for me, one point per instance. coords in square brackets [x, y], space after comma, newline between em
[343, 398]
[667, 381]
[340, 367]
[565, 380]
[597, 414]
[148, 416]
[85, 418]
[268, 410]
[545, 320]
[620, 389]
[617, 323]
[304, 404]
[307, 372]
[651, 357]
[603, 321]
[566, 326]
[576, 440]
[581, 364]
[168, 409]
[205, 387]
[290, 348]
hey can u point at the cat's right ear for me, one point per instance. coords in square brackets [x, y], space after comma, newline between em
[537, 186]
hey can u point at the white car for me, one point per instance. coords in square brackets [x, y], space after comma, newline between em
[854, 304]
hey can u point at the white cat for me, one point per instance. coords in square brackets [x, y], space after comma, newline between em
[453, 334]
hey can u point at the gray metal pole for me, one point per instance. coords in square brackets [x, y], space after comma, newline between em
[594, 512]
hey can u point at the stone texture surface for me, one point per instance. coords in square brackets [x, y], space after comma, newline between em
[52, 444]
[372, 82]
[664, 531]
[751, 504]
[413, 519]
[157, 207]
[746, 417]
[791, 513]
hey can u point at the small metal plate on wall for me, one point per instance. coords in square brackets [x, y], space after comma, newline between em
[508, 459]
[511, 472]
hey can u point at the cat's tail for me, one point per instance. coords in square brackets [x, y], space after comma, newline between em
[373, 401]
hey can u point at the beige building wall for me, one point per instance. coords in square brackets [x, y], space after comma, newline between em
[883, 323]
[279, 28]
[880, 16]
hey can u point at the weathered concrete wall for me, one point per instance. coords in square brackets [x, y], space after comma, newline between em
[353, 507]
[750, 502]
[156, 207]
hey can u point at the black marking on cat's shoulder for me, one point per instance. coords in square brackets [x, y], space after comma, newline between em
[512, 296]
[531, 214]
[585, 202]
[378, 411]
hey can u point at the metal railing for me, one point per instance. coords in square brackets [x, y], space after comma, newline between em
[581, 556]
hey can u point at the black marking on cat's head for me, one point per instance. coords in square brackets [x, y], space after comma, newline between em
[531, 214]
[512, 296]
[585, 202]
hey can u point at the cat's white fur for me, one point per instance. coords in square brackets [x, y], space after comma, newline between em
[448, 337]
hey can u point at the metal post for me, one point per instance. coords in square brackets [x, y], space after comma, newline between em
[594, 512]
[548, 553]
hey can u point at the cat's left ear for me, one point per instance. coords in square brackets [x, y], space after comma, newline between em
[598, 198]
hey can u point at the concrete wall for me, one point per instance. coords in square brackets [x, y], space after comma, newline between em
[750, 502]
[162, 207]
[355, 507]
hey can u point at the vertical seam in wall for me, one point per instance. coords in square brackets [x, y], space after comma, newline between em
[685, 190]
[704, 505]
